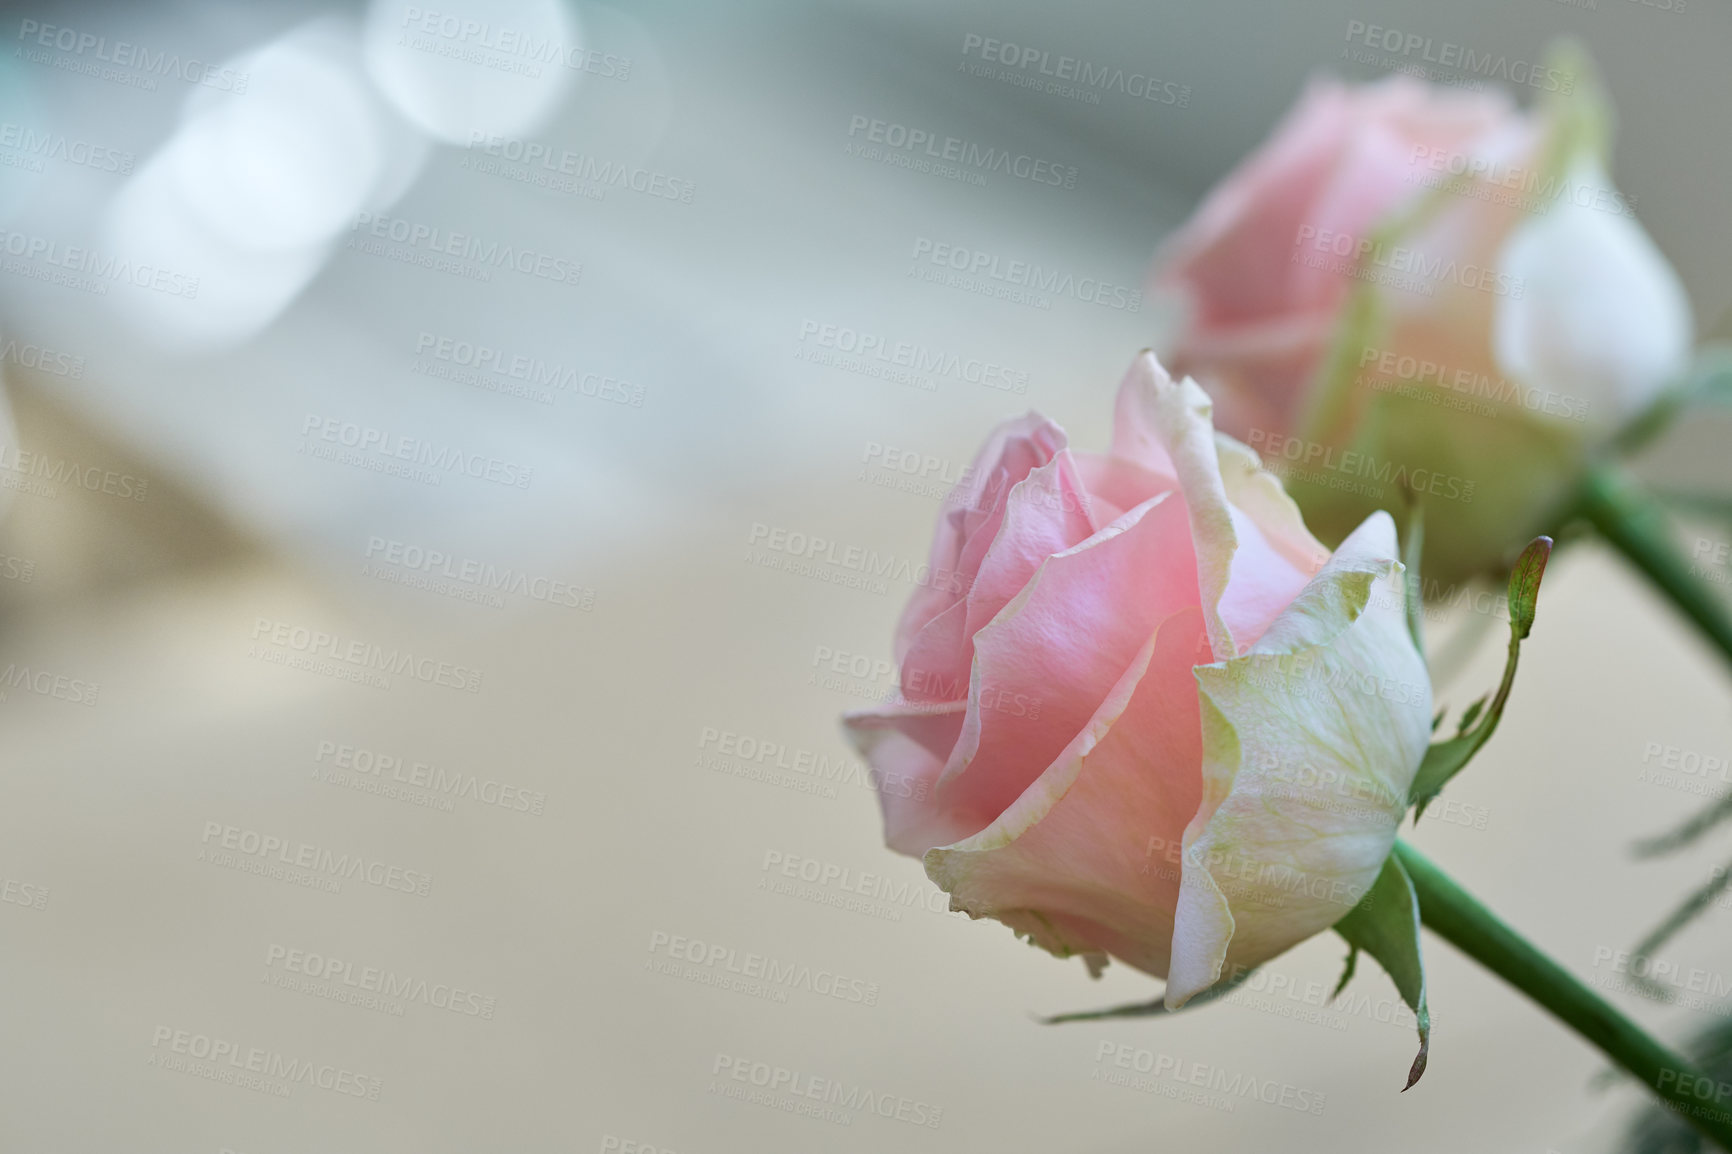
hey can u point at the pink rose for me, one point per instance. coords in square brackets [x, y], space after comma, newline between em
[1152, 718]
[1420, 287]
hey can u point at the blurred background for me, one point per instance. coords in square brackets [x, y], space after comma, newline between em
[407, 742]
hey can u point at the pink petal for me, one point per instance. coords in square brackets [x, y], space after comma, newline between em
[1046, 512]
[1087, 858]
[1232, 257]
[1047, 661]
[1014, 449]
[906, 745]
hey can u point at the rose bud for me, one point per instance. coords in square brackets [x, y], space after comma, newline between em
[1420, 289]
[1153, 719]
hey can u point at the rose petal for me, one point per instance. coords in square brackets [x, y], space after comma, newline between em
[975, 506]
[906, 745]
[1046, 662]
[1157, 413]
[1115, 484]
[1310, 744]
[1602, 316]
[1046, 512]
[1232, 259]
[1079, 862]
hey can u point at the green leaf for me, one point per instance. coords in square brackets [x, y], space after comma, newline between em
[1447, 758]
[1711, 384]
[1346, 971]
[1524, 586]
[1157, 1007]
[1410, 555]
[1683, 835]
[1691, 908]
[1578, 115]
[1701, 504]
[1385, 924]
[1469, 714]
[1706, 384]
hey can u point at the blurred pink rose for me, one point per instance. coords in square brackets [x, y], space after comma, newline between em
[1113, 728]
[1492, 309]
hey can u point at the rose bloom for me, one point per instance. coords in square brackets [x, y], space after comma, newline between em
[1152, 718]
[1418, 287]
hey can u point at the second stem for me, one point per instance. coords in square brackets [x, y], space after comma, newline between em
[1457, 917]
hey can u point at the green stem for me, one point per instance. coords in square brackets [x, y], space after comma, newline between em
[1454, 915]
[1634, 523]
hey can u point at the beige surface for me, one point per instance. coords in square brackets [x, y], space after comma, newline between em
[553, 915]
